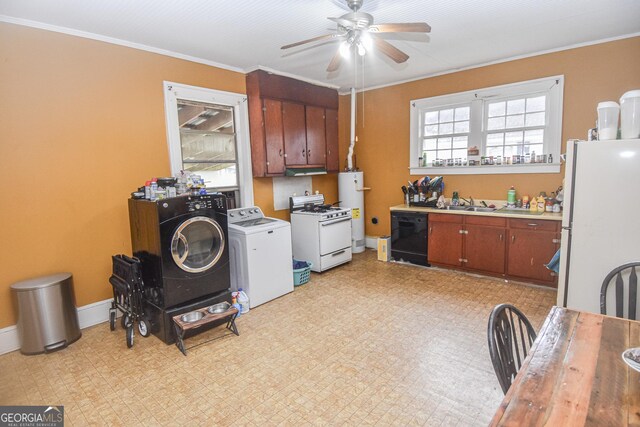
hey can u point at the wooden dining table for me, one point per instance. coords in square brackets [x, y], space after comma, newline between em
[574, 374]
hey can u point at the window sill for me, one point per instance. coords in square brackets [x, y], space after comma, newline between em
[487, 170]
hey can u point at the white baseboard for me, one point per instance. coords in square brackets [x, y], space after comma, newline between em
[371, 242]
[9, 340]
[88, 315]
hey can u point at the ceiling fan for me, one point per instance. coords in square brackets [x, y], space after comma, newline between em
[357, 31]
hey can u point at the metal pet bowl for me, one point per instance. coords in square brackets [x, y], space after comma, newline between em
[192, 317]
[219, 308]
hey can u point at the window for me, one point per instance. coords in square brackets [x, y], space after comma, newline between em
[208, 135]
[446, 134]
[505, 129]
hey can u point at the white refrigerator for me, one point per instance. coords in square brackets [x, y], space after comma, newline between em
[601, 218]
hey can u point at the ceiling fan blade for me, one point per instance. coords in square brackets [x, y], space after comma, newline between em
[314, 39]
[390, 50]
[413, 27]
[335, 62]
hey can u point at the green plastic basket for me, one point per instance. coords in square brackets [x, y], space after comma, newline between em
[302, 275]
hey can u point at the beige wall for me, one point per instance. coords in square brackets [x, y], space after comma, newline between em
[82, 125]
[592, 74]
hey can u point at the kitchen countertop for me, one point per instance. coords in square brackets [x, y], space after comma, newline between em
[545, 216]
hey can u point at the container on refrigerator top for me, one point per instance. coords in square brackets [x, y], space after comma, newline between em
[630, 115]
[608, 113]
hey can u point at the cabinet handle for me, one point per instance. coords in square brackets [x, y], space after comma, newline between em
[532, 224]
[501, 237]
[304, 153]
[329, 151]
[555, 240]
[308, 153]
[285, 154]
[430, 230]
[280, 152]
[513, 238]
[463, 231]
[463, 260]
[532, 262]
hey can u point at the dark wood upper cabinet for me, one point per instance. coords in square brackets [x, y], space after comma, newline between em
[295, 138]
[274, 138]
[299, 135]
[316, 140]
[331, 132]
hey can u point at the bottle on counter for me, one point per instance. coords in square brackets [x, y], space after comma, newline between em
[511, 197]
[455, 200]
[525, 201]
[541, 203]
[147, 190]
[153, 189]
[548, 207]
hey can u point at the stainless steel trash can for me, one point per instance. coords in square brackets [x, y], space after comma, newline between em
[47, 314]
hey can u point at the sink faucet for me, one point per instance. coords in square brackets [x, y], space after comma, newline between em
[483, 203]
[470, 201]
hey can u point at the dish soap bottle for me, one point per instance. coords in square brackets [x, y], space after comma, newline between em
[511, 197]
[455, 200]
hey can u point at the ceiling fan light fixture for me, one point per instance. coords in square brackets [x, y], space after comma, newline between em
[345, 49]
[361, 50]
[366, 40]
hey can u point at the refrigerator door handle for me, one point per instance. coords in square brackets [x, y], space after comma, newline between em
[564, 227]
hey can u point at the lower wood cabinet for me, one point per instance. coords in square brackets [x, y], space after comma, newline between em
[499, 246]
[444, 235]
[531, 245]
[484, 248]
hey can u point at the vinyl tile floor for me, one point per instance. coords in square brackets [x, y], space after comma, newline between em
[367, 343]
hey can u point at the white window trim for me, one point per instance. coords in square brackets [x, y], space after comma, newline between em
[173, 92]
[553, 135]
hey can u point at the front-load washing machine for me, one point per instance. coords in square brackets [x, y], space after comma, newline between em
[182, 244]
[261, 255]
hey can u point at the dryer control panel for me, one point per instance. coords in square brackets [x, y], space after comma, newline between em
[206, 201]
[169, 208]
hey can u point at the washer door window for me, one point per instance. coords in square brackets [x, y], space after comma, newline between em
[197, 244]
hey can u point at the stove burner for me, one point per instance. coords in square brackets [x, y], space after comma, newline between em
[309, 207]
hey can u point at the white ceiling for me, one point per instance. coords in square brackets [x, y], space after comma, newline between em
[247, 34]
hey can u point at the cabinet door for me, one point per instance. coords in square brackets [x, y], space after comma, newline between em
[444, 243]
[484, 248]
[274, 139]
[331, 127]
[295, 139]
[316, 139]
[528, 251]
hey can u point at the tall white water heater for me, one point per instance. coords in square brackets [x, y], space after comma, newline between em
[351, 194]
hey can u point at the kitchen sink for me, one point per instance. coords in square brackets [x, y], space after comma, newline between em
[470, 208]
[480, 209]
[520, 211]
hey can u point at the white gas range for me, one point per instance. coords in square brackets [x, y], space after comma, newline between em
[320, 233]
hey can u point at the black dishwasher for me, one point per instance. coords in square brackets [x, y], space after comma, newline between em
[409, 237]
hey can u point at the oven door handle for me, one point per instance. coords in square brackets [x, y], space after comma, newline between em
[335, 221]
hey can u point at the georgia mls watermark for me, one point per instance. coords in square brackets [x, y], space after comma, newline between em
[31, 416]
